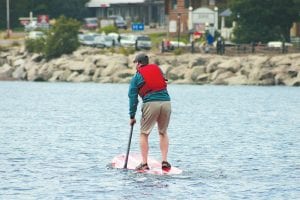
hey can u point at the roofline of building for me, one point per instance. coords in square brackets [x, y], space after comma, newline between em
[108, 3]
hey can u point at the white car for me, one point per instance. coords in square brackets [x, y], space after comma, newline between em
[143, 42]
[128, 40]
[116, 37]
[175, 44]
[109, 41]
[87, 40]
[278, 44]
[104, 41]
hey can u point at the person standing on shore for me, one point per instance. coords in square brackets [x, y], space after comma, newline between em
[150, 84]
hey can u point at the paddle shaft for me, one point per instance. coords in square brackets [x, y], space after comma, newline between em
[128, 147]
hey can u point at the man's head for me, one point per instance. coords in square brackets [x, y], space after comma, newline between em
[141, 59]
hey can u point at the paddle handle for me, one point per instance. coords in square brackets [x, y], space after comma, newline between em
[128, 147]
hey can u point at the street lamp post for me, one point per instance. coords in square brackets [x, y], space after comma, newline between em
[7, 17]
[238, 18]
[216, 18]
[178, 35]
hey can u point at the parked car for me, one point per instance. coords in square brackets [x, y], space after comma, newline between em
[99, 41]
[87, 40]
[110, 41]
[143, 42]
[278, 44]
[104, 41]
[116, 37]
[175, 44]
[128, 40]
[119, 21]
[35, 35]
[30, 26]
[91, 23]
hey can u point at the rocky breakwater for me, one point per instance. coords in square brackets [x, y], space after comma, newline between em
[95, 65]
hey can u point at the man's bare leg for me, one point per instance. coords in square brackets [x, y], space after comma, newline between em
[164, 145]
[144, 147]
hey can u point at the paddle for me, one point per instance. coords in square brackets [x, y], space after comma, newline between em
[128, 147]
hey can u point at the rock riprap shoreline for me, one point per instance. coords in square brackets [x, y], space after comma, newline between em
[95, 65]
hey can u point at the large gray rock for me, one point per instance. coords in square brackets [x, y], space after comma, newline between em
[75, 66]
[2, 61]
[196, 72]
[105, 79]
[60, 76]
[125, 73]
[111, 69]
[72, 77]
[212, 66]
[6, 71]
[197, 61]
[33, 75]
[236, 80]
[282, 79]
[45, 72]
[176, 73]
[232, 65]
[202, 79]
[97, 74]
[82, 78]
[166, 68]
[19, 73]
[19, 62]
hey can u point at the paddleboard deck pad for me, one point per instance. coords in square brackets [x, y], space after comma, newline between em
[134, 159]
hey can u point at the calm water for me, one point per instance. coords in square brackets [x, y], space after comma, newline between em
[57, 140]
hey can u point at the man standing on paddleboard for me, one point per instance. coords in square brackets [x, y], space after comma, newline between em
[150, 84]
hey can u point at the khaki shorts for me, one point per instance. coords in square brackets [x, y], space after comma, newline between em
[155, 112]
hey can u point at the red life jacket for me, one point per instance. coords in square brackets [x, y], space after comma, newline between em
[153, 78]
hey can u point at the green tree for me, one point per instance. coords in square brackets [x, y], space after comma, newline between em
[21, 8]
[263, 20]
[62, 38]
[70, 8]
[17, 9]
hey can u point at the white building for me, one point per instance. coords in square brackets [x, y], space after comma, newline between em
[205, 19]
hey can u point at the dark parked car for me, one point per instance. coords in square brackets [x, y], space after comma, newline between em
[119, 21]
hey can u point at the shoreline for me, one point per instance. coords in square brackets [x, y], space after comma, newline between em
[95, 65]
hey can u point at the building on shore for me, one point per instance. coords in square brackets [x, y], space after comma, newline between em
[192, 15]
[148, 12]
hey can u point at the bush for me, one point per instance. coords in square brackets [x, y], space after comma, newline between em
[62, 38]
[126, 51]
[29, 45]
[35, 45]
[109, 29]
[112, 50]
[178, 51]
[15, 44]
[4, 49]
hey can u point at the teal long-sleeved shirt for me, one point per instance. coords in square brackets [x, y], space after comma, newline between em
[136, 82]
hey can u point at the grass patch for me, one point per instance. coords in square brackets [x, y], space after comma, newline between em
[126, 51]
[157, 38]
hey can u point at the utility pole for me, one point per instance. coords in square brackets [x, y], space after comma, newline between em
[7, 17]
[179, 23]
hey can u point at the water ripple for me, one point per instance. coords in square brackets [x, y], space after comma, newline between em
[57, 140]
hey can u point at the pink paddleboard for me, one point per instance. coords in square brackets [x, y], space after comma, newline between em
[134, 160]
